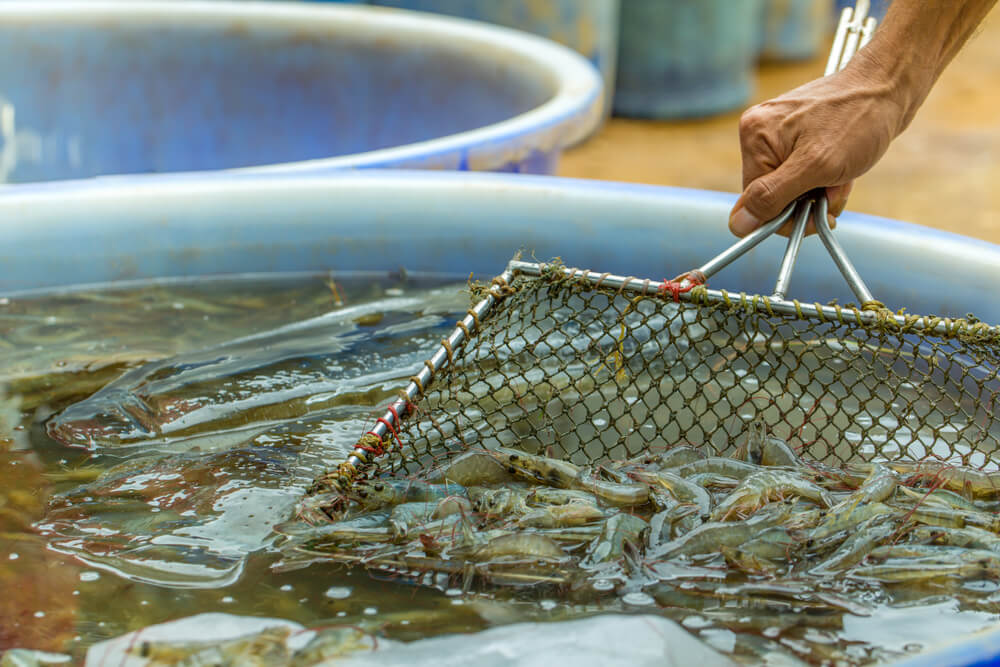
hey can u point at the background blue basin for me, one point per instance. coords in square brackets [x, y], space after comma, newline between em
[110, 88]
[587, 26]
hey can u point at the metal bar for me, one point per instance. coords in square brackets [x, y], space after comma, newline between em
[792, 249]
[844, 45]
[635, 285]
[833, 63]
[868, 31]
[438, 360]
[861, 8]
[844, 264]
[746, 244]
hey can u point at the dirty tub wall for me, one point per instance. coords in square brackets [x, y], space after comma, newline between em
[109, 88]
[794, 29]
[681, 58]
[589, 27]
[140, 227]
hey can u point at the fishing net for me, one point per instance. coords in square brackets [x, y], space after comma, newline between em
[591, 367]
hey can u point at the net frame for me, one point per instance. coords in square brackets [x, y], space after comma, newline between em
[979, 338]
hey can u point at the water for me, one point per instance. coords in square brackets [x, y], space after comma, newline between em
[173, 424]
[144, 529]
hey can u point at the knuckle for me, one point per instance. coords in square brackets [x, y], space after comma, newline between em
[753, 121]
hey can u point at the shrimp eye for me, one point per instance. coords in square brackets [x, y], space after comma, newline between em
[379, 487]
[513, 457]
[362, 494]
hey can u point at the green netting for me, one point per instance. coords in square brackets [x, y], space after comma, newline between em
[563, 366]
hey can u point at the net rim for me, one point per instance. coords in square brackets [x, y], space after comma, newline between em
[700, 295]
[878, 317]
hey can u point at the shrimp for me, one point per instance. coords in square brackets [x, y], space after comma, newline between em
[771, 543]
[565, 475]
[502, 502]
[719, 466]
[626, 495]
[748, 561]
[940, 498]
[921, 569]
[678, 487]
[942, 516]
[879, 485]
[610, 545]
[670, 458]
[318, 508]
[336, 534]
[559, 516]
[761, 487]
[677, 456]
[264, 648]
[476, 467]
[927, 551]
[711, 479]
[777, 452]
[408, 515]
[538, 469]
[547, 496]
[376, 494]
[519, 546]
[845, 517]
[974, 484]
[969, 537]
[869, 534]
[708, 537]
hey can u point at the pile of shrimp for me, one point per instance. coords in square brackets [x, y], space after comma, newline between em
[764, 543]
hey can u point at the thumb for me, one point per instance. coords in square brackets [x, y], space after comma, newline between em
[766, 196]
[837, 196]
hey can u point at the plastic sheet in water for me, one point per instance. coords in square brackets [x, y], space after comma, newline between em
[600, 640]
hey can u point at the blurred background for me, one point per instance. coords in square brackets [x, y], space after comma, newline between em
[240, 90]
[943, 172]
[681, 73]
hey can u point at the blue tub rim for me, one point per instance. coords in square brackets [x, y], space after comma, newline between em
[112, 186]
[569, 115]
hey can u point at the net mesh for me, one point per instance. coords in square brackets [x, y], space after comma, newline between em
[563, 366]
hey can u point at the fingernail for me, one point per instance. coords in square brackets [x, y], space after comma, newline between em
[743, 222]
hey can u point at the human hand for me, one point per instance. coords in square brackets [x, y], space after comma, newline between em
[821, 135]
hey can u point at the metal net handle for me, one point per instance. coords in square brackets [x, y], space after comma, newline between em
[854, 31]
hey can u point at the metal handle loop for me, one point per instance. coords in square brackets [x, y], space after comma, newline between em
[854, 31]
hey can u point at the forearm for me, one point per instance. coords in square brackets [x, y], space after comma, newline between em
[914, 44]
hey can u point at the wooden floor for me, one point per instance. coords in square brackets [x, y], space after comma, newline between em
[943, 172]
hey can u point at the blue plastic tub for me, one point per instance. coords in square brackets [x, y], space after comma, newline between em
[678, 58]
[111, 88]
[587, 26]
[142, 227]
